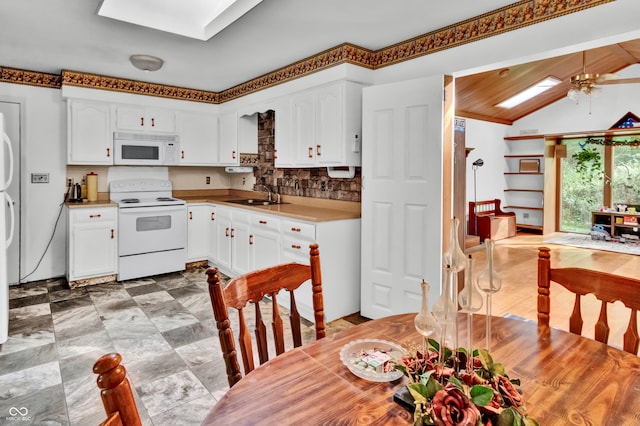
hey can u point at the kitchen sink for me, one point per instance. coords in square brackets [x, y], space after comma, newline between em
[254, 202]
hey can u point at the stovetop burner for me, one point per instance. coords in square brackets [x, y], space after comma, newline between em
[130, 200]
[165, 199]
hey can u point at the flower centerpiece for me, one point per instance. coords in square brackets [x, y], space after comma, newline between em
[443, 395]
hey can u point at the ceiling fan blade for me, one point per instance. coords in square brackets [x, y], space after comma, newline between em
[606, 77]
[621, 81]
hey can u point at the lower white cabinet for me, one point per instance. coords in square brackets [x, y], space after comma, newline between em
[197, 231]
[92, 243]
[237, 241]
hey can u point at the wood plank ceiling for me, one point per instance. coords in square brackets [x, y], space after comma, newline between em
[477, 95]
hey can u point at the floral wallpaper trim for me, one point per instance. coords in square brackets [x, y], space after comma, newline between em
[508, 18]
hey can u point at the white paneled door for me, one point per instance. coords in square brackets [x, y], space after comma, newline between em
[402, 165]
[11, 111]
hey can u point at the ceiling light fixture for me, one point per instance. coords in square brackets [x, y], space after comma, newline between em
[583, 82]
[530, 92]
[146, 62]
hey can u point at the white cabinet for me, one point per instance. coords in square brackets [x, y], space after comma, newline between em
[321, 127]
[240, 242]
[89, 137]
[197, 231]
[145, 119]
[198, 139]
[228, 140]
[221, 231]
[265, 241]
[92, 243]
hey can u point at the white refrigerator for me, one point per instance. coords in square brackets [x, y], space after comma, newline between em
[7, 221]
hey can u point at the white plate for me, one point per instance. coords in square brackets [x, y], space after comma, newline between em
[351, 351]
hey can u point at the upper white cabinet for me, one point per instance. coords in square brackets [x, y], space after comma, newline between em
[228, 139]
[198, 139]
[145, 119]
[89, 138]
[321, 127]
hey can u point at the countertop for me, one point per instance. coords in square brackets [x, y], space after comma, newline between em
[300, 208]
[312, 210]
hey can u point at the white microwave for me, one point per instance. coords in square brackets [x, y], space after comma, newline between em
[142, 149]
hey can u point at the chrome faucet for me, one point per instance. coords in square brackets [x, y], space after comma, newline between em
[268, 191]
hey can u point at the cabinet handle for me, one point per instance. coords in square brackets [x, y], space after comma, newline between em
[226, 232]
[141, 121]
[190, 215]
[232, 233]
[262, 222]
[182, 154]
[93, 216]
[296, 229]
[295, 246]
[310, 152]
[233, 155]
[112, 237]
[108, 152]
[318, 152]
[250, 240]
[213, 215]
[153, 122]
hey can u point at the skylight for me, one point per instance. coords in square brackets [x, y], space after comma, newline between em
[199, 19]
[529, 93]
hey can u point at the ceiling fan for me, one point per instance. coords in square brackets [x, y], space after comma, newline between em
[588, 83]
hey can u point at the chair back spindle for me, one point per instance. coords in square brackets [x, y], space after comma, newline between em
[607, 288]
[251, 288]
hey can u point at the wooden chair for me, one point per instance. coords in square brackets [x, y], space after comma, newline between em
[253, 287]
[607, 288]
[115, 391]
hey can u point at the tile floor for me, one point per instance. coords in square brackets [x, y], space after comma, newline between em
[162, 326]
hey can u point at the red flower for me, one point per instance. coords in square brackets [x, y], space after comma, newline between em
[508, 392]
[451, 407]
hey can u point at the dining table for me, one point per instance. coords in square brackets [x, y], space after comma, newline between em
[566, 379]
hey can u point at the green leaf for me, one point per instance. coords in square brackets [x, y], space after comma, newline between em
[401, 368]
[424, 377]
[498, 370]
[456, 382]
[485, 359]
[433, 386]
[528, 421]
[509, 417]
[419, 392]
[434, 345]
[481, 395]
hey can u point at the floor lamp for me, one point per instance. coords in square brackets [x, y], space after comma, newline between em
[476, 164]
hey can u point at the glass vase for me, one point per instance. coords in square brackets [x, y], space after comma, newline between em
[425, 322]
[490, 283]
[470, 300]
[445, 310]
[454, 256]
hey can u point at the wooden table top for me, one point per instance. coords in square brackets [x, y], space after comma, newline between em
[566, 379]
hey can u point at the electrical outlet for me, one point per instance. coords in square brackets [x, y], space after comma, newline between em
[525, 215]
[39, 177]
[208, 179]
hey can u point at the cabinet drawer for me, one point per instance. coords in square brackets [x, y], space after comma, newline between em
[93, 215]
[295, 247]
[299, 230]
[265, 222]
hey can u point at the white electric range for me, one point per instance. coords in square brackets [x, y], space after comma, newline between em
[152, 228]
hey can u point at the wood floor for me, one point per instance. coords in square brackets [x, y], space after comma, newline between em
[516, 262]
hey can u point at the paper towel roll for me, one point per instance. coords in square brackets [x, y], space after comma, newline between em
[92, 187]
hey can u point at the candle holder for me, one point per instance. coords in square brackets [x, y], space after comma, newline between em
[425, 323]
[470, 301]
[490, 283]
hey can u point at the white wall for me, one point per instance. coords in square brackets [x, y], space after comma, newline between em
[43, 142]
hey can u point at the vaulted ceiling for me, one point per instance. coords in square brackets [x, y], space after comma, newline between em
[477, 95]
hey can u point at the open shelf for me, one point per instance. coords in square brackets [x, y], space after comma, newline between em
[524, 208]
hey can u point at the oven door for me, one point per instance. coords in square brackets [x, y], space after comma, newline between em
[151, 229]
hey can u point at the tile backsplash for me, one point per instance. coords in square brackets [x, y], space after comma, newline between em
[307, 182]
